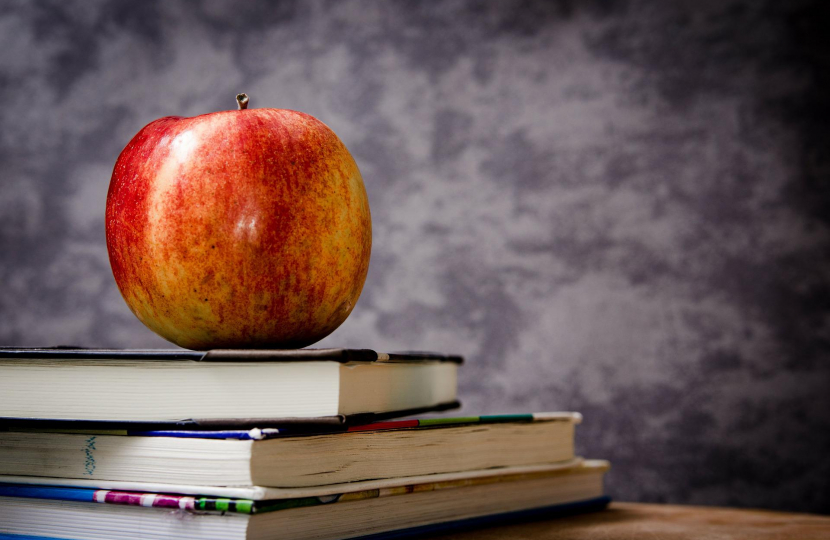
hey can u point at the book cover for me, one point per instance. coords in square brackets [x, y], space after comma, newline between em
[305, 428]
[225, 355]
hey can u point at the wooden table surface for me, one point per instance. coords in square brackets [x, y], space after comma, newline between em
[629, 521]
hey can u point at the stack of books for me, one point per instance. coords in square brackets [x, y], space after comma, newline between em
[262, 444]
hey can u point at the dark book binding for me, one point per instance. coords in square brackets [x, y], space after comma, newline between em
[320, 424]
[229, 355]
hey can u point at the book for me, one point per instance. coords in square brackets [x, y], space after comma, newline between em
[219, 388]
[287, 458]
[393, 511]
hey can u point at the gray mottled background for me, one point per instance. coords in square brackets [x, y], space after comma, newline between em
[620, 208]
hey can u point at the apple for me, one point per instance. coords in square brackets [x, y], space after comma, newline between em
[247, 228]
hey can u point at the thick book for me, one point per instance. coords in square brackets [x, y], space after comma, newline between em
[394, 511]
[287, 458]
[221, 388]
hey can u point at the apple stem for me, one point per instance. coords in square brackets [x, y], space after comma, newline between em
[242, 101]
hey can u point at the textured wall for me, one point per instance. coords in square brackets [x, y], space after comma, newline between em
[612, 207]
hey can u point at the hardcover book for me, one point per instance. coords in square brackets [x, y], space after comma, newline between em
[160, 389]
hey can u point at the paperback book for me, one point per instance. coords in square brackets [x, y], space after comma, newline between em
[291, 458]
[408, 505]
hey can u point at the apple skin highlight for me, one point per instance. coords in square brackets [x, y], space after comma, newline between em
[239, 229]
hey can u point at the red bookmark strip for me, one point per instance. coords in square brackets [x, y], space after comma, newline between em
[399, 424]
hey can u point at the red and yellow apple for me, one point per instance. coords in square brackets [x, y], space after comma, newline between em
[239, 229]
